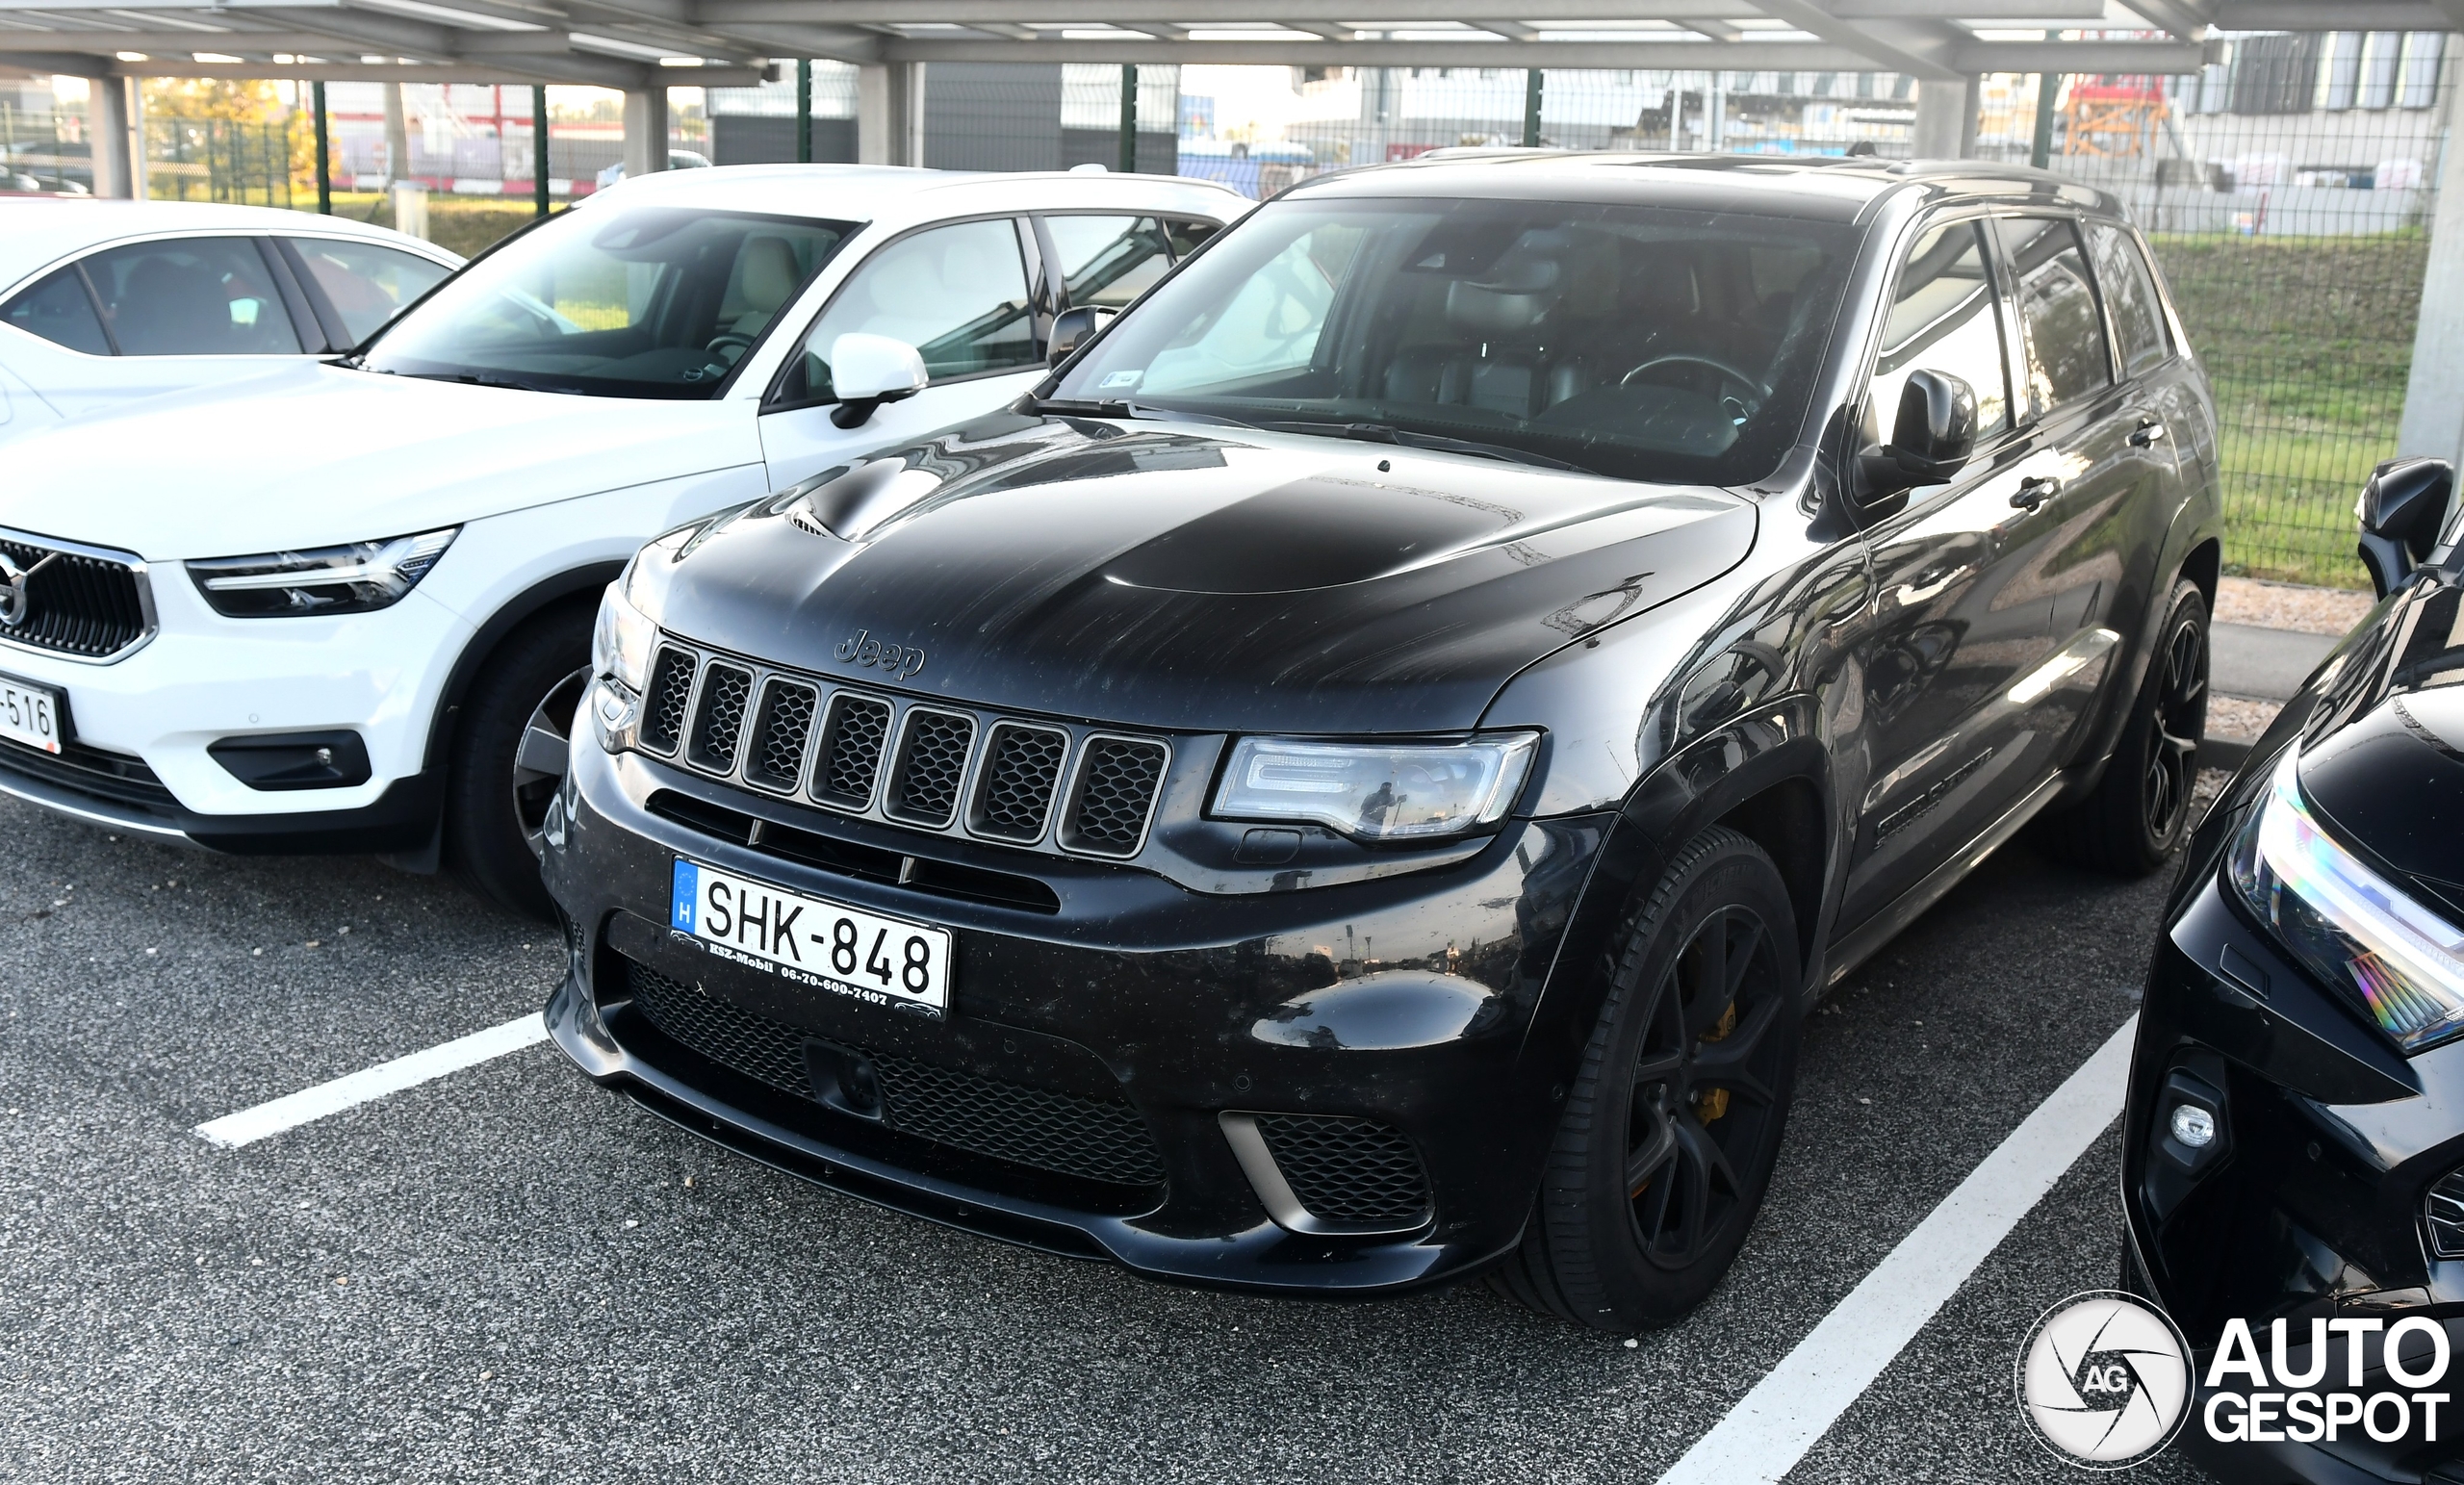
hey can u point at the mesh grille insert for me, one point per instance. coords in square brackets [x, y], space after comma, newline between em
[1347, 1169]
[1115, 793]
[1093, 1138]
[1021, 767]
[726, 689]
[852, 736]
[779, 732]
[664, 713]
[932, 764]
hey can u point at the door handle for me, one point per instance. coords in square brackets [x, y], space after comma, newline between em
[2034, 492]
[2150, 429]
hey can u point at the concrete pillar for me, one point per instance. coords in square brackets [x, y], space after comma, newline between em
[397, 134]
[1945, 119]
[889, 114]
[111, 127]
[2433, 420]
[644, 130]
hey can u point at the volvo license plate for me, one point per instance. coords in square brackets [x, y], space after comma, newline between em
[888, 961]
[30, 714]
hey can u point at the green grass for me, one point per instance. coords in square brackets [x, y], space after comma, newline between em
[463, 224]
[2308, 342]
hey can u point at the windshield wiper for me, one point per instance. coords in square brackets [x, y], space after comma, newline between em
[473, 379]
[1112, 407]
[1388, 433]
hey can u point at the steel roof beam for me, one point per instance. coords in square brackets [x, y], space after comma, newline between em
[1372, 13]
[2149, 57]
[2352, 15]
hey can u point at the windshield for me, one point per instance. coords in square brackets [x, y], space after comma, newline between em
[647, 302]
[1632, 342]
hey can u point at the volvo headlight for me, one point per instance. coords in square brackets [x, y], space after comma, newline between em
[2345, 922]
[355, 577]
[1376, 792]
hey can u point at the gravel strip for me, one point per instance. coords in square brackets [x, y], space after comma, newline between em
[2238, 718]
[2284, 606]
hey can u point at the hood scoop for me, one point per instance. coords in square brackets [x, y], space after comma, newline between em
[1318, 532]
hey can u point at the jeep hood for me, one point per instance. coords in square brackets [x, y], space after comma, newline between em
[1188, 577]
[313, 454]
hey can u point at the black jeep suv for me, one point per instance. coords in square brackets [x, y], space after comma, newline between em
[1357, 780]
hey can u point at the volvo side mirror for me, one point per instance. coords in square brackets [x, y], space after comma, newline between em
[1072, 328]
[1931, 440]
[866, 370]
[2402, 510]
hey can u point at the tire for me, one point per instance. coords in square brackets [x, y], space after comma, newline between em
[1673, 1124]
[508, 758]
[2140, 809]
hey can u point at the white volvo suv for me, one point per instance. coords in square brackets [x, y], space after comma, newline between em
[346, 606]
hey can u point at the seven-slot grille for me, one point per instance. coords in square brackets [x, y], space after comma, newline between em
[79, 603]
[931, 766]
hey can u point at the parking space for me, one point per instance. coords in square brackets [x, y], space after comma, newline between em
[504, 1272]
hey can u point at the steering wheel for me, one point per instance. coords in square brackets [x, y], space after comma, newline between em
[1761, 391]
[718, 343]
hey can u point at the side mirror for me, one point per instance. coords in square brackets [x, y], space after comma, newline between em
[1072, 328]
[1931, 440]
[2402, 510]
[866, 370]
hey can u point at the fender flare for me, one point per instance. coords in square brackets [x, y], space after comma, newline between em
[509, 616]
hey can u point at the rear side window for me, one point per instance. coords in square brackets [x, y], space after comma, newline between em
[366, 284]
[2130, 295]
[2062, 338]
[1109, 261]
[1186, 235]
[193, 296]
[57, 309]
[1942, 319]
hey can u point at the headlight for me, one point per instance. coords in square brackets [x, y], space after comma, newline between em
[2347, 923]
[353, 578]
[1376, 792]
[620, 642]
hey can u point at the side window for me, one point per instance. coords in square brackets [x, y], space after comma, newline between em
[2130, 294]
[2062, 341]
[1186, 235]
[956, 293]
[1942, 319]
[1270, 326]
[366, 284]
[193, 296]
[1108, 261]
[59, 310]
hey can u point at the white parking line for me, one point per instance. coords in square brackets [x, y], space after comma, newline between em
[292, 1110]
[1764, 1435]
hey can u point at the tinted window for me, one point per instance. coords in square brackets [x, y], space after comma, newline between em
[1186, 235]
[2062, 344]
[1109, 261]
[193, 296]
[956, 293]
[2131, 295]
[1942, 319]
[614, 301]
[58, 310]
[1640, 341]
[366, 284]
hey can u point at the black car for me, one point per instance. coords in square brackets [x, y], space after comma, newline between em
[1356, 782]
[2294, 1144]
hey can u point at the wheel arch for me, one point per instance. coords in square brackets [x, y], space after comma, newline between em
[568, 588]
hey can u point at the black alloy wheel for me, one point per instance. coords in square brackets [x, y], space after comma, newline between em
[1673, 1125]
[539, 758]
[509, 759]
[2136, 817]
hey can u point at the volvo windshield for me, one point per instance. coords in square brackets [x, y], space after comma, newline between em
[1635, 342]
[610, 301]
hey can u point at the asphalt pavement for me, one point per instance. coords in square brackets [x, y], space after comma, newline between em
[508, 1273]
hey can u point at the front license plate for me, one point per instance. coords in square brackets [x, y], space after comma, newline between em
[888, 961]
[30, 714]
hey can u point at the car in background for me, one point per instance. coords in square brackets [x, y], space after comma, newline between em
[104, 304]
[1356, 782]
[2294, 1142]
[346, 606]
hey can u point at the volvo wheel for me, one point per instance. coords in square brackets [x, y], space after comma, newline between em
[1673, 1125]
[508, 758]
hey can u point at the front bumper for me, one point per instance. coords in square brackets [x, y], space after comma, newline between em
[2310, 1207]
[1402, 1003]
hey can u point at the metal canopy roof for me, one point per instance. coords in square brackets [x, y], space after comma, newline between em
[633, 44]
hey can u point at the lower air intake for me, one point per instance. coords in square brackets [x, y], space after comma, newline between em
[1092, 1139]
[1347, 1171]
